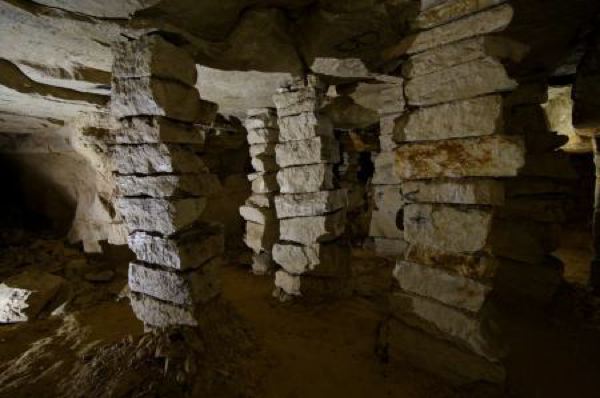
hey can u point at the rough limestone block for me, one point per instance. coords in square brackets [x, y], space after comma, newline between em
[152, 55]
[186, 251]
[264, 163]
[258, 215]
[384, 169]
[493, 20]
[304, 126]
[474, 333]
[524, 240]
[445, 57]
[305, 179]
[261, 200]
[309, 230]
[386, 217]
[154, 97]
[468, 118]
[467, 192]
[387, 143]
[164, 216]
[311, 286]
[263, 136]
[155, 158]
[261, 237]
[392, 248]
[262, 263]
[455, 229]
[160, 314]
[304, 97]
[450, 289]
[479, 266]
[490, 156]
[181, 288]
[463, 81]
[154, 130]
[23, 296]
[163, 186]
[439, 357]
[451, 10]
[311, 151]
[388, 126]
[310, 204]
[265, 118]
[263, 183]
[315, 259]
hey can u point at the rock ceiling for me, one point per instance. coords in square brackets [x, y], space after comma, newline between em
[56, 56]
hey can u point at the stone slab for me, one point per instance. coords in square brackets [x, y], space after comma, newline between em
[155, 158]
[310, 204]
[163, 186]
[155, 130]
[324, 260]
[309, 230]
[258, 215]
[472, 79]
[262, 150]
[264, 163]
[261, 119]
[161, 314]
[463, 191]
[188, 250]
[451, 289]
[263, 183]
[306, 179]
[490, 156]
[263, 136]
[310, 151]
[392, 248]
[304, 126]
[261, 238]
[451, 10]
[163, 216]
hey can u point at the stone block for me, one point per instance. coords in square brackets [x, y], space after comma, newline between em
[440, 58]
[453, 229]
[301, 100]
[311, 286]
[164, 216]
[263, 136]
[466, 192]
[261, 200]
[151, 55]
[451, 10]
[262, 263]
[310, 204]
[393, 248]
[155, 158]
[309, 230]
[258, 215]
[330, 259]
[451, 289]
[188, 250]
[265, 118]
[261, 237]
[477, 334]
[492, 20]
[161, 314]
[154, 97]
[263, 183]
[305, 179]
[469, 118]
[386, 217]
[155, 130]
[483, 76]
[262, 150]
[24, 296]
[439, 357]
[490, 156]
[181, 288]
[384, 169]
[311, 151]
[304, 126]
[479, 266]
[170, 185]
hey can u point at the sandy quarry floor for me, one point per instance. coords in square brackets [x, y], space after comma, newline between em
[95, 346]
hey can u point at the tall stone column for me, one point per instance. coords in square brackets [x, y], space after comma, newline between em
[262, 225]
[310, 207]
[162, 182]
[476, 164]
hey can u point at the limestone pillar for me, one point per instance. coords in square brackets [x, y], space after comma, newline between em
[262, 225]
[311, 207]
[481, 202]
[162, 181]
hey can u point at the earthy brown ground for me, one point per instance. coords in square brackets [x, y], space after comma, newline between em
[281, 350]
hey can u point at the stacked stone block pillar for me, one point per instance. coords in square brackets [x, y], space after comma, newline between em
[479, 207]
[162, 182]
[311, 208]
[262, 225]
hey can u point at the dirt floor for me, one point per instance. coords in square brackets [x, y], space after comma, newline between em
[94, 347]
